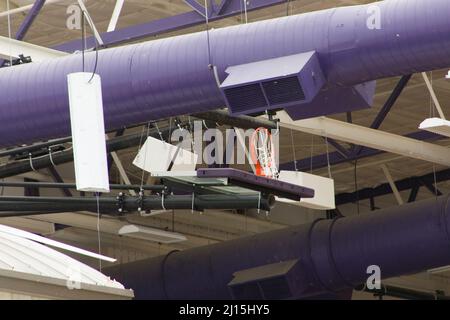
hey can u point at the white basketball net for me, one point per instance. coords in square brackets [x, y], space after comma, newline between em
[262, 150]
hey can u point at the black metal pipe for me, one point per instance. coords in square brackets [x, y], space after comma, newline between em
[46, 144]
[125, 204]
[115, 144]
[53, 185]
[33, 147]
[244, 122]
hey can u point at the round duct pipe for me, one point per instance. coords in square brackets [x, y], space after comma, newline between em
[327, 256]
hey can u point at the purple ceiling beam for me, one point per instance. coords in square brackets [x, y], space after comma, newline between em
[401, 85]
[221, 6]
[342, 150]
[321, 161]
[29, 19]
[226, 9]
[198, 7]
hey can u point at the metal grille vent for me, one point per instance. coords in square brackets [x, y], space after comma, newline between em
[283, 90]
[246, 97]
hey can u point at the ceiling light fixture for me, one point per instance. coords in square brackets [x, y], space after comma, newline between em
[146, 233]
[436, 125]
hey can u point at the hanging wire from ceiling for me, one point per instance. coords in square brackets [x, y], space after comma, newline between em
[83, 41]
[293, 150]
[356, 186]
[432, 115]
[84, 16]
[328, 157]
[288, 8]
[312, 154]
[97, 196]
[145, 152]
[208, 40]
[245, 11]
[9, 31]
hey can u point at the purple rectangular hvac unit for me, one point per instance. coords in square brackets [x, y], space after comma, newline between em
[273, 84]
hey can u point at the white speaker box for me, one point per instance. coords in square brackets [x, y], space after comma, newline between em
[157, 156]
[88, 132]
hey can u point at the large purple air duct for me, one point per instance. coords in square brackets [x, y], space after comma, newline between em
[305, 261]
[175, 76]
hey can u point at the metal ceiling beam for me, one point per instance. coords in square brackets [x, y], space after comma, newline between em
[401, 85]
[185, 20]
[413, 194]
[14, 48]
[321, 161]
[368, 137]
[198, 7]
[24, 27]
[24, 8]
[384, 189]
[342, 150]
[115, 16]
[57, 177]
[392, 184]
[29, 19]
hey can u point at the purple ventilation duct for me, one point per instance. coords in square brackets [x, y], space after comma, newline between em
[328, 62]
[325, 257]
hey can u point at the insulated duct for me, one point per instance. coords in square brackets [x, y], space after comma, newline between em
[306, 261]
[341, 53]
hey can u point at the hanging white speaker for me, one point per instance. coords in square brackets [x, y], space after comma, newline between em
[157, 156]
[88, 132]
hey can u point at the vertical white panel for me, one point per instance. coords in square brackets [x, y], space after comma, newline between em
[88, 132]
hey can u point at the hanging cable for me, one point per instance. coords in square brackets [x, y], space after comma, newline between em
[245, 11]
[50, 156]
[259, 202]
[293, 150]
[91, 23]
[96, 61]
[432, 106]
[31, 161]
[328, 157]
[356, 186]
[162, 201]
[9, 31]
[98, 230]
[83, 40]
[145, 157]
[431, 115]
[312, 153]
[85, 16]
[210, 64]
[159, 131]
